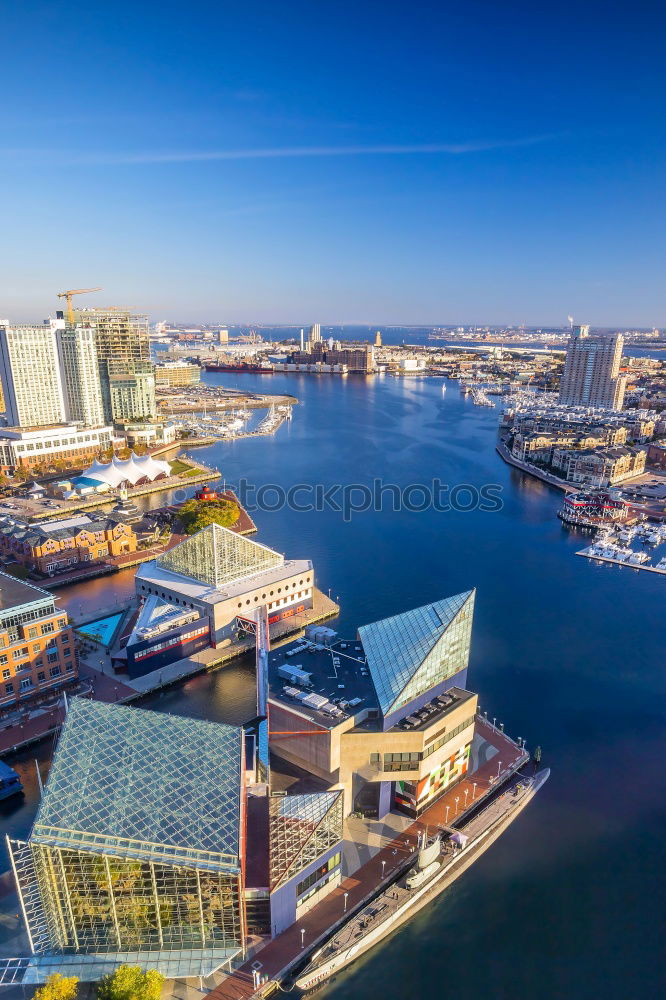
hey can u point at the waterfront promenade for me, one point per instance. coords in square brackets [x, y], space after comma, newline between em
[290, 948]
[532, 470]
[24, 728]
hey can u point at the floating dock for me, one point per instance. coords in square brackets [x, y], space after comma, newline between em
[621, 562]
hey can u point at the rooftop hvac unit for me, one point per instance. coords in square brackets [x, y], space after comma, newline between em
[314, 701]
[294, 675]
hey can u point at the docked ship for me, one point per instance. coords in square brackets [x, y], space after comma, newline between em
[242, 367]
[437, 866]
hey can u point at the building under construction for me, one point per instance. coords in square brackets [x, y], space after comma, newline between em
[123, 356]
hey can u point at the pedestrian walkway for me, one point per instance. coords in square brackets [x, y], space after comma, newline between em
[41, 722]
[288, 948]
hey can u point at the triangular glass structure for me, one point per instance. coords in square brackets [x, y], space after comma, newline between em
[413, 652]
[219, 557]
[302, 828]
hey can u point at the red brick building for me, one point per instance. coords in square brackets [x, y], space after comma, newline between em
[37, 651]
[53, 546]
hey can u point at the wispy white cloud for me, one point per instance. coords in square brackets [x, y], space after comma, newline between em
[288, 152]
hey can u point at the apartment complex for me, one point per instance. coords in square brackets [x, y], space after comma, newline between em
[37, 650]
[353, 357]
[539, 447]
[592, 370]
[131, 390]
[53, 546]
[603, 467]
[77, 351]
[30, 374]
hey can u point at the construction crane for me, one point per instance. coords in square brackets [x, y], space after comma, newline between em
[68, 296]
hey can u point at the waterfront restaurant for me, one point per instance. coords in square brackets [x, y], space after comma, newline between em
[385, 717]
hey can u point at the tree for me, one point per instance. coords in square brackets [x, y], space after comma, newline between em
[197, 514]
[21, 473]
[129, 982]
[58, 987]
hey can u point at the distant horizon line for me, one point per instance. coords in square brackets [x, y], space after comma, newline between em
[153, 318]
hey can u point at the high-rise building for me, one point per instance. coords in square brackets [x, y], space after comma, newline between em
[314, 336]
[122, 338]
[591, 374]
[120, 334]
[30, 375]
[131, 386]
[79, 373]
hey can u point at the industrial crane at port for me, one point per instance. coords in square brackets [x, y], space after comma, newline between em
[68, 296]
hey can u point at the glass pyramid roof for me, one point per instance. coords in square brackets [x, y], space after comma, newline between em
[218, 557]
[302, 829]
[145, 785]
[408, 654]
[307, 809]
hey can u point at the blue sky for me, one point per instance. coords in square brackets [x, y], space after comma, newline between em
[370, 162]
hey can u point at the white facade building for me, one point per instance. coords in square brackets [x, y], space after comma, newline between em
[30, 373]
[79, 373]
[41, 445]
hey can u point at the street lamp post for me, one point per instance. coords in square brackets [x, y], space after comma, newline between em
[446, 818]
[466, 794]
[499, 767]
[474, 790]
[383, 866]
[302, 937]
[457, 801]
[345, 909]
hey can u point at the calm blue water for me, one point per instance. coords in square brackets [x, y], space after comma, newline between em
[105, 628]
[567, 654]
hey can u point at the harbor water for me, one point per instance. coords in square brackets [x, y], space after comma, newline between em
[566, 653]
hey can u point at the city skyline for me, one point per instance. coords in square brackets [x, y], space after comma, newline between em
[479, 166]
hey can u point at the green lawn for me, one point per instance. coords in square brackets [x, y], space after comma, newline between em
[179, 468]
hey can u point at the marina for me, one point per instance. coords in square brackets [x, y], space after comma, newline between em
[618, 545]
[235, 424]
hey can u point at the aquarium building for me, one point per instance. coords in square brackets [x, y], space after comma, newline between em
[136, 854]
